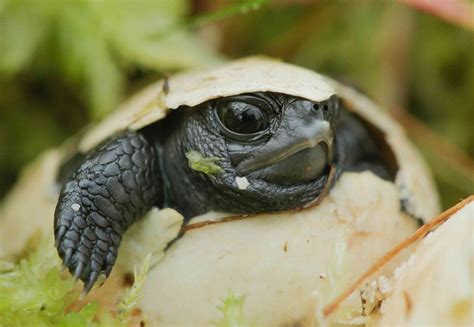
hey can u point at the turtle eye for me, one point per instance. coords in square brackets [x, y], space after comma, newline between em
[241, 118]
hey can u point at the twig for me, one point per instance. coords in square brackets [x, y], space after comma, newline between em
[422, 231]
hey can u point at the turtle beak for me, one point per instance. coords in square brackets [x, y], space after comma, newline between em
[300, 150]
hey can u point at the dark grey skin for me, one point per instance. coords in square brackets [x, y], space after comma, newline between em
[283, 145]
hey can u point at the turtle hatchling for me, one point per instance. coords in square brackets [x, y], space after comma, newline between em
[282, 143]
[253, 136]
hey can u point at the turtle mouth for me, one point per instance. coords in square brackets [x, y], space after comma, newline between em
[299, 156]
[300, 165]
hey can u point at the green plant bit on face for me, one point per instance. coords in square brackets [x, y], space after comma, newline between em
[206, 165]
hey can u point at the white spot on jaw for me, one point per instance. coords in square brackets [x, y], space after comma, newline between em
[75, 207]
[242, 183]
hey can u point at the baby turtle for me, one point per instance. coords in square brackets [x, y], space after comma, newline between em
[255, 135]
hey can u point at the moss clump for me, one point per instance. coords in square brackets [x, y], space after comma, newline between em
[34, 292]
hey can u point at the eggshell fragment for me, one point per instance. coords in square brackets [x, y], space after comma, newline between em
[276, 261]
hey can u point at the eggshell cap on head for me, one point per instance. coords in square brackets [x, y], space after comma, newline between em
[253, 74]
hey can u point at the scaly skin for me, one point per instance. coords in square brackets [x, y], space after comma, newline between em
[121, 180]
[116, 184]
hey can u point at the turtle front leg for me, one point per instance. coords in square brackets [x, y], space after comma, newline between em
[116, 184]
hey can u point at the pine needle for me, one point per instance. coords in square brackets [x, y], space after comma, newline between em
[421, 232]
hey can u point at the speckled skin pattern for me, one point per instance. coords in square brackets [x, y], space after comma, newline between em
[123, 178]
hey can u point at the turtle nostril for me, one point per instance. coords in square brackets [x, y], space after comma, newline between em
[325, 107]
[316, 106]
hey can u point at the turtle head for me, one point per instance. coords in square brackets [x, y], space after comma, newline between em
[274, 150]
[280, 139]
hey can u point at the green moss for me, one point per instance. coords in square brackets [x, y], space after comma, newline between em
[35, 292]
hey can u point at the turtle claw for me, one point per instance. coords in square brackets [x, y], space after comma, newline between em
[92, 279]
[67, 257]
[60, 234]
[79, 270]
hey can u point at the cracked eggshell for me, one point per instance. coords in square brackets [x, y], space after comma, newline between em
[29, 209]
[259, 74]
[437, 287]
[413, 178]
[252, 74]
[287, 265]
[276, 260]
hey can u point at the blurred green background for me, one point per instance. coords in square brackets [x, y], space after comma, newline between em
[65, 64]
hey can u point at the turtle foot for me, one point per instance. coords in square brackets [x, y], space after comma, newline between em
[115, 185]
[86, 240]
